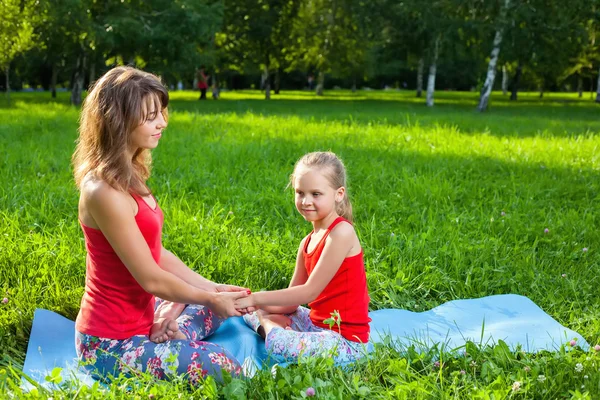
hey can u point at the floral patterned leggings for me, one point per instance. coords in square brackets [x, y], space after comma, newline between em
[304, 339]
[194, 357]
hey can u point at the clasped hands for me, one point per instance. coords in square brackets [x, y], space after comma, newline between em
[230, 301]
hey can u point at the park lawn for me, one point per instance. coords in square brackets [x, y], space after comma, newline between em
[449, 204]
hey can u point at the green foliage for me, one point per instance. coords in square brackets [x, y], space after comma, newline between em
[448, 204]
[16, 29]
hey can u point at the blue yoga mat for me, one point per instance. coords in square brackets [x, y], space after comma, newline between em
[514, 319]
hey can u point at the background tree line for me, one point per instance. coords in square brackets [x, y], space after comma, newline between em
[481, 45]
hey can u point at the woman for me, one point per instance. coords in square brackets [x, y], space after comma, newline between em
[123, 118]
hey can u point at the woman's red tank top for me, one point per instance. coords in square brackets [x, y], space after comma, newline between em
[114, 304]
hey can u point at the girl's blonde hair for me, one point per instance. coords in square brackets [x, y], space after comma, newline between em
[333, 169]
[118, 103]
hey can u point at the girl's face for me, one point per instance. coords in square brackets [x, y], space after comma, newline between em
[148, 133]
[314, 197]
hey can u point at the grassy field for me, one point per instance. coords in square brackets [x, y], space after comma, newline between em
[449, 204]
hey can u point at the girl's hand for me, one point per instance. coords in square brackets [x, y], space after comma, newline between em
[246, 303]
[223, 304]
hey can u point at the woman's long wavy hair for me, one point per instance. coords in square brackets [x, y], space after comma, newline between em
[333, 168]
[117, 104]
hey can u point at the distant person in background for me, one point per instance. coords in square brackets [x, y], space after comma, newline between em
[202, 82]
[311, 81]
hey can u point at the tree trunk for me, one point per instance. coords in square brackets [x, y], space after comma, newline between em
[515, 83]
[432, 72]
[92, 72]
[542, 91]
[504, 80]
[277, 81]
[53, 80]
[320, 83]
[486, 90]
[598, 87]
[78, 81]
[267, 84]
[6, 71]
[420, 76]
[354, 85]
[579, 86]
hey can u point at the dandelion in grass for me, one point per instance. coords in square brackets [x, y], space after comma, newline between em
[516, 386]
[564, 275]
[585, 250]
[585, 377]
[541, 378]
[310, 392]
[578, 367]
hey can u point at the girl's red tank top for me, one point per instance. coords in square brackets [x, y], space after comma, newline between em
[114, 305]
[347, 292]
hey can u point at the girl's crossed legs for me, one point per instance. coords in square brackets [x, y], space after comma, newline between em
[191, 356]
[302, 338]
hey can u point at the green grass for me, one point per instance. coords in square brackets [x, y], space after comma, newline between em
[428, 186]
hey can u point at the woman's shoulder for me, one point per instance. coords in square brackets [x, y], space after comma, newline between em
[96, 191]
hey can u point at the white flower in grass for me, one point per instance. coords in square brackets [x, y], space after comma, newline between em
[585, 377]
[541, 378]
[578, 367]
[516, 386]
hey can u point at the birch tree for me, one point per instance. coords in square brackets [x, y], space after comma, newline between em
[432, 72]
[491, 71]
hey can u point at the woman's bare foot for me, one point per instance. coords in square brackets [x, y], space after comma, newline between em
[165, 329]
[165, 326]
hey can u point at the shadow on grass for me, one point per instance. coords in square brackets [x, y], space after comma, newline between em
[558, 114]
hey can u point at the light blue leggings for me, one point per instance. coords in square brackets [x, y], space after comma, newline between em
[304, 339]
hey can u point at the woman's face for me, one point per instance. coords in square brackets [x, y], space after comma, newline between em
[149, 132]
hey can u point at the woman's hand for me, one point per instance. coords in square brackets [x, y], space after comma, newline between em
[233, 288]
[220, 288]
[223, 303]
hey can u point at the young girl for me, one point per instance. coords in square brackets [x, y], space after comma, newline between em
[329, 275]
[117, 328]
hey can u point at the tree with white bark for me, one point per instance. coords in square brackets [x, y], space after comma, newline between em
[491, 71]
